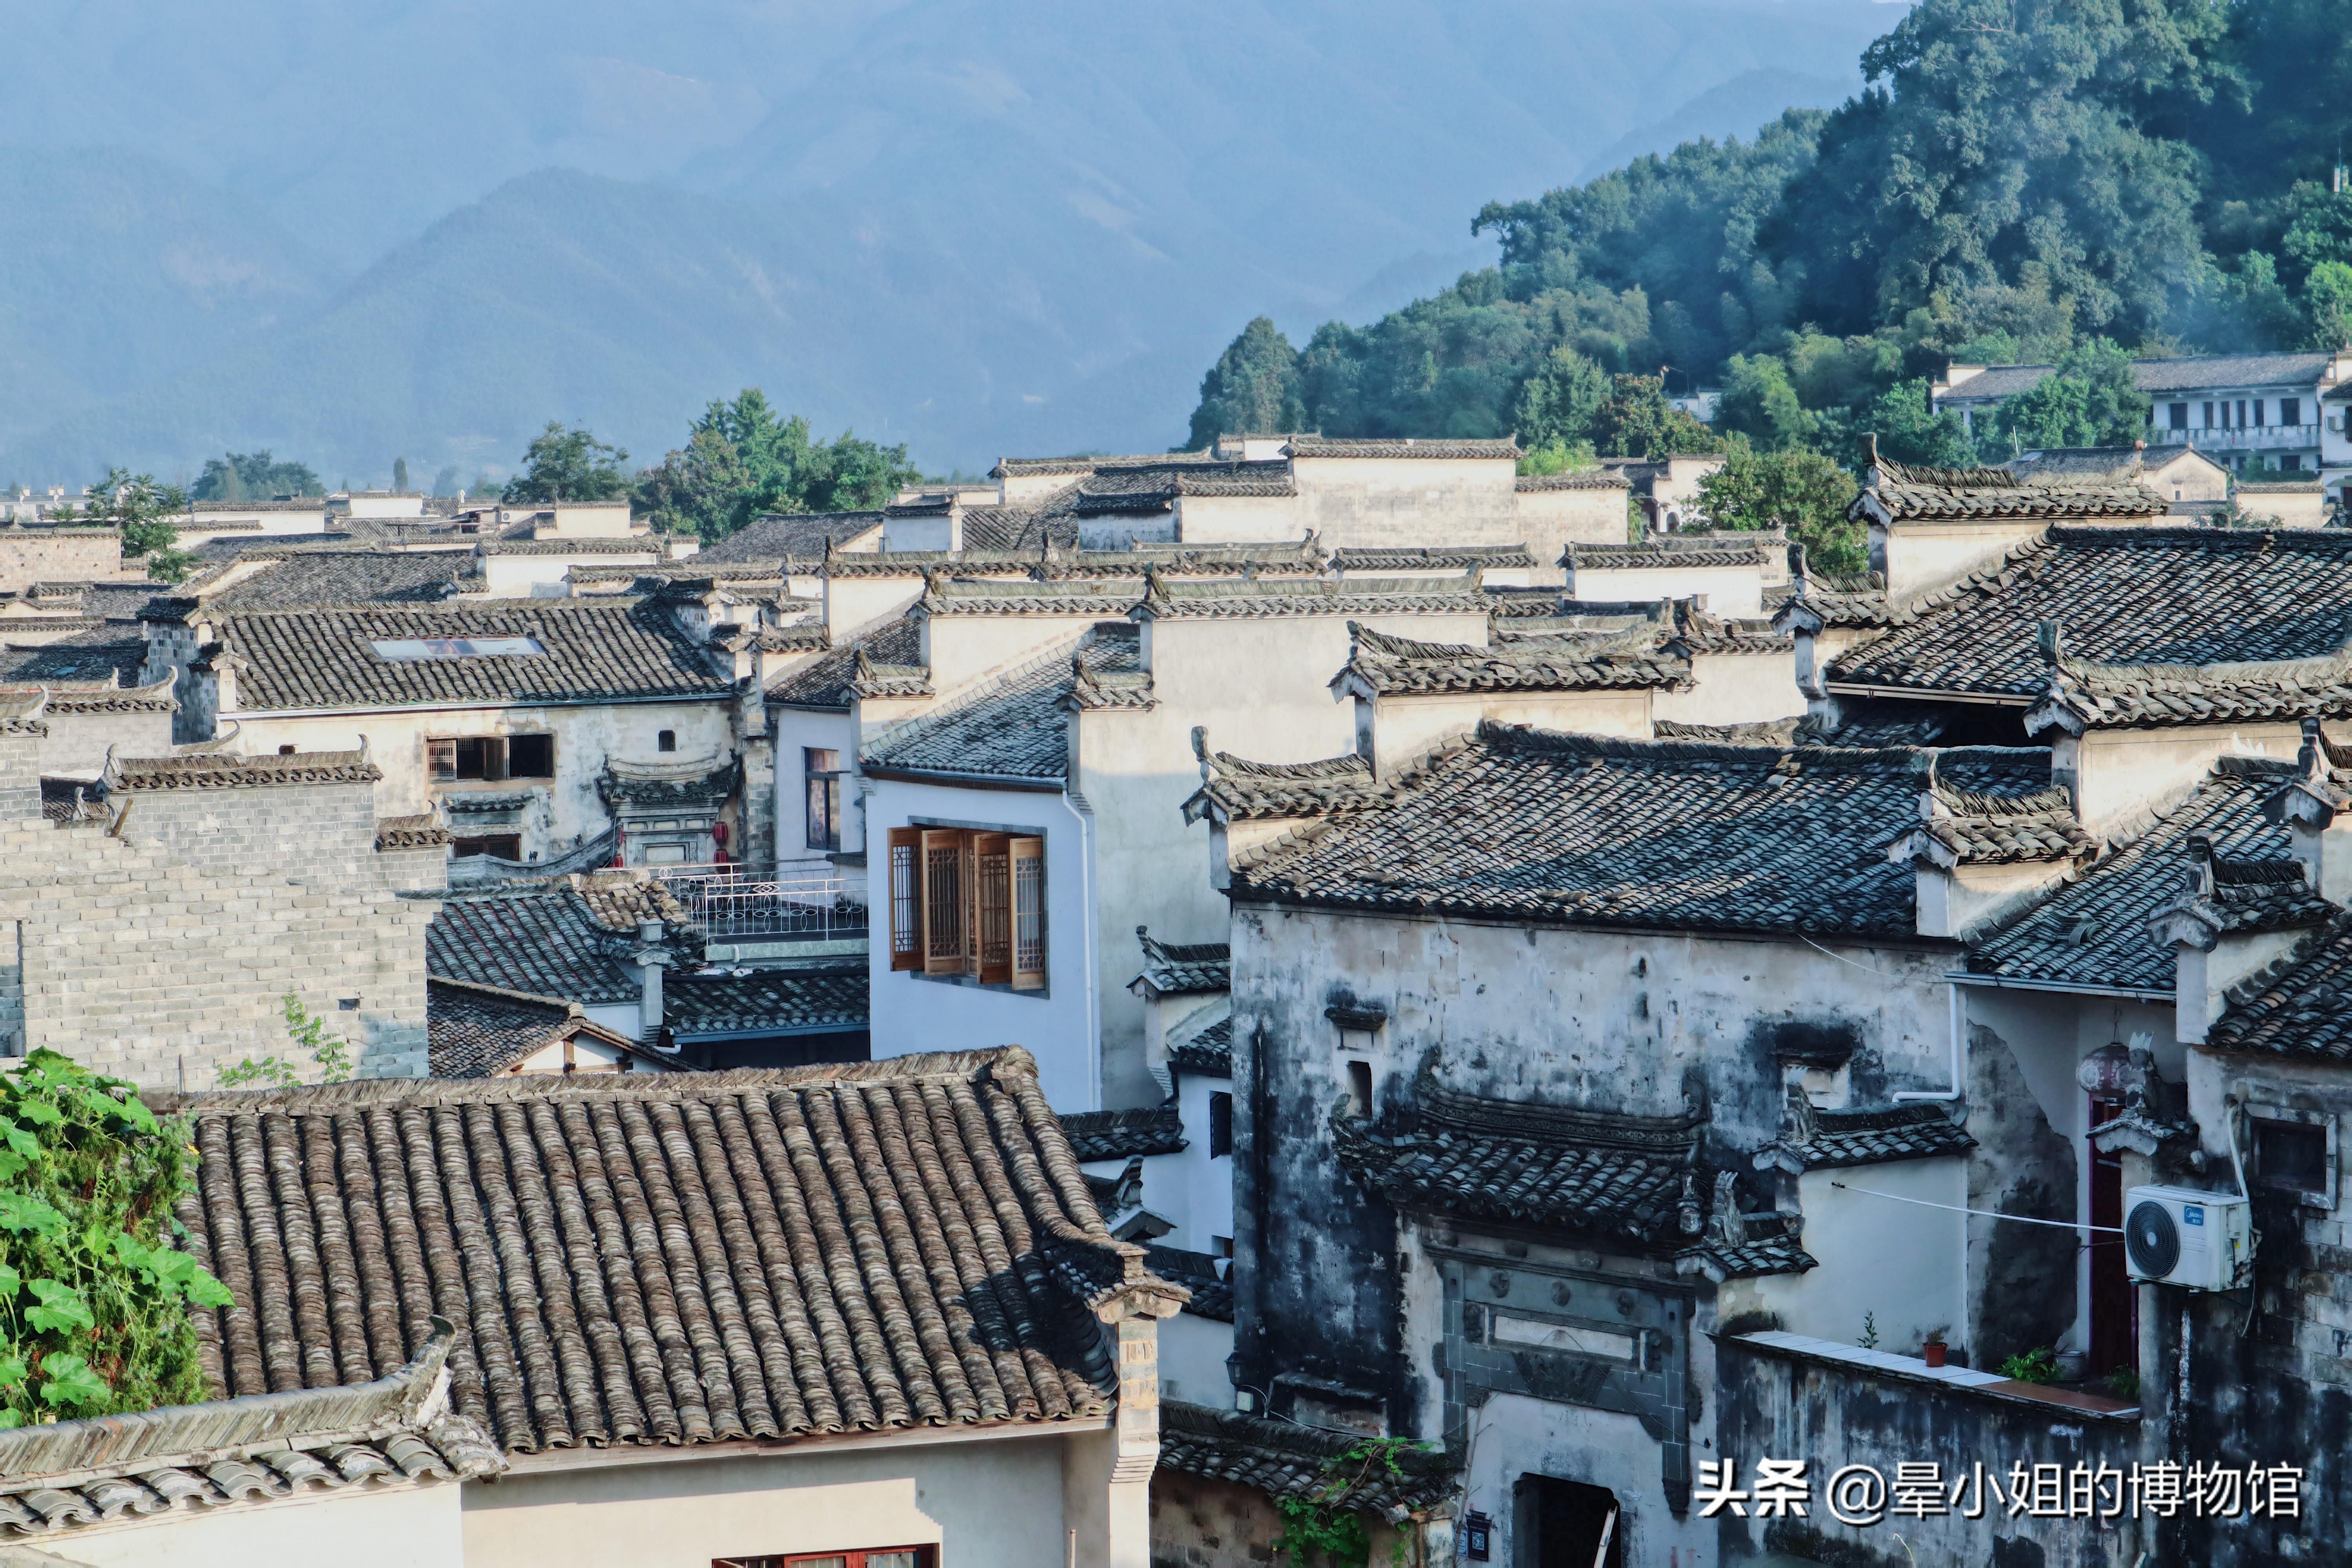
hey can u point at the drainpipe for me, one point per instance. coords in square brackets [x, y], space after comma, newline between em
[1081, 812]
[1952, 992]
[651, 957]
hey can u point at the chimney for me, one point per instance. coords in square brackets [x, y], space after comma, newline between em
[651, 958]
[2313, 805]
[2212, 952]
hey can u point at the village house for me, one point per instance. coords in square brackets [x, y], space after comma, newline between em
[222, 885]
[868, 1311]
[2260, 410]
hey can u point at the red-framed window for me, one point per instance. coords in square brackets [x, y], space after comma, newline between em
[877, 1557]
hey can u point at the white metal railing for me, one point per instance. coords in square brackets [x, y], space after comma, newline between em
[2261, 437]
[805, 900]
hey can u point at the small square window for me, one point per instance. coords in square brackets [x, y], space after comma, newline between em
[349, 1004]
[284, 751]
[666, 742]
[1220, 1125]
[1360, 1089]
[2292, 1156]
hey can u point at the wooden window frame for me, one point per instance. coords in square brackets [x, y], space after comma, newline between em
[943, 901]
[956, 905]
[904, 891]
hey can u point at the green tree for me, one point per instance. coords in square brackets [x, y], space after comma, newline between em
[1636, 421]
[1803, 492]
[1759, 402]
[254, 476]
[400, 476]
[1557, 402]
[148, 514]
[2088, 401]
[444, 483]
[2328, 296]
[1252, 389]
[563, 465]
[742, 459]
[93, 1297]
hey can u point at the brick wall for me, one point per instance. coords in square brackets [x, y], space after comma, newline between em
[20, 769]
[29, 555]
[164, 958]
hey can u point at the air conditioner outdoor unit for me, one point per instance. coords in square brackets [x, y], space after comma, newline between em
[2187, 1237]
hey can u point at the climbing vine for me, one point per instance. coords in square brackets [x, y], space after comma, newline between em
[1317, 1532]
[308, 1033]
[93, 1297]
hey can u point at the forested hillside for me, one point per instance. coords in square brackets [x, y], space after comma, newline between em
[2037, 180]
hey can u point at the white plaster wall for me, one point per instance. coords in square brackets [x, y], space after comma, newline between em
[584, 737]
[1733, 591]
[1262, 689]
[2116, 770]
[1550, 520]
[853, 603]
[416, 1527]
[960, 649]
[1192, 1352]
[1405, 728]
[1904, 1264]
[1206, 1184]
[546, 576]
[76, 743]
[1919, 554]
[911, 1013]
[1515, 1436]
[1408, 500]
[988, 1504]
[1736, 689]
[1116, 532]
[1238, 520]
[796, 730]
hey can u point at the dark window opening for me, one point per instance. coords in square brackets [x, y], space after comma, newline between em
[2259, 420]
[2178, 415]
[1565, 1524]
[348, 1004]
[490, 757]
[1359, 1088]
[666, 742]
[2291, 1154]
[284, 751]
[2290, 410]
[504, 846]
[822, 767]
[1220, 1125]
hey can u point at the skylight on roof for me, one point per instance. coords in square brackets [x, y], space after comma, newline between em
[409, 650]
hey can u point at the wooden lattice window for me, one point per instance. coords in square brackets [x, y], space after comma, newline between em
[969, 902]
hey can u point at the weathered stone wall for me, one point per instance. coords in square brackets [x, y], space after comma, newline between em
[20, 768]
[1201, 1523]
[1832, 1417]
[165, 968]
[29, 555]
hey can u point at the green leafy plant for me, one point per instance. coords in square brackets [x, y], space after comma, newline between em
[2123, 1383]
[2039, 1364]
[332, 1053]
[93, 1297]
[1318, 1530]
[1869, 1340]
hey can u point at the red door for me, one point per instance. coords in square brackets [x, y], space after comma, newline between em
[2115, 1305]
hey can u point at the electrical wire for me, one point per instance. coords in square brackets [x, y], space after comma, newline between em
[1988, 1213]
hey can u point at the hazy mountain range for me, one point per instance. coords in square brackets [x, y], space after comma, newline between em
[973, 228]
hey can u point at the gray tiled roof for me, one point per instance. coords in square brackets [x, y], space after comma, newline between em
[2093, 930]
[1241, 789]
[1632, 1179]
[346, 577]
[1588, 480]
[1672, 551]
[1966, 830]
[1530, 825]
[57, 1477]
[1014, 725]
[658, 1259]
[226, 770]
[1322, 447]
[699, 1004]
[2299, 1008]
[1823, 599]
[1388, 666]
[1910, 494]
[824, 682]
[99, 655]
[1281, 558]
[1259, 598]
[2157, 376]
[1122, 487]
[1430, 557]
[1017, 468]
[543, 937]
[422, 831]
[479, 1031]
[801, 536]
[1076, 596]
[1209, 1053]
[613, 649]
[1176, 969]
[1290, 1462]
[2060, 465]
[1212, 1298]
[2134, 596]
[1020, 526]
[1815, 1139]
[2084, 695]
[1121, 1134]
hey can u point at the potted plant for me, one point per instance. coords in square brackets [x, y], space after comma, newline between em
[1933, 1350]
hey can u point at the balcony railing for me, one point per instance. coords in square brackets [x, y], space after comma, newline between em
[806, 900]
[2256, 437]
